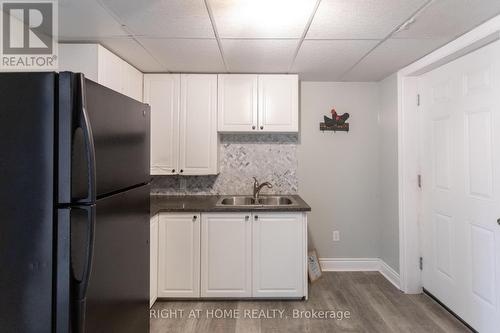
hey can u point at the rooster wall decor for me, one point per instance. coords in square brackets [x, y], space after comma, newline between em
[336, 123]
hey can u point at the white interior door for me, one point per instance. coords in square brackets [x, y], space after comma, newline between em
[460, 164]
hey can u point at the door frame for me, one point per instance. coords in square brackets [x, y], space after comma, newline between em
[409, 195]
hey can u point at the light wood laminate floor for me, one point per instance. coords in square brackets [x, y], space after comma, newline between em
[374, 305]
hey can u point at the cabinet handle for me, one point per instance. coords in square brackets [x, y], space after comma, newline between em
[253, 127]
[262, 127]
[173, 170]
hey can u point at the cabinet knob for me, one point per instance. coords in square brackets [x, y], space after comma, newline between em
[182, 171]
[262, 127]
[498, 221]
[173, 170]
[194, 217]
[247, 218]
[256, 217]
[253, 127]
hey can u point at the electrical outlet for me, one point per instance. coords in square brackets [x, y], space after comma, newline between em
[336, 235]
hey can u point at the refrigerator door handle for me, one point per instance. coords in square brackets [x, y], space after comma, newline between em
[84, 123]
[80, 283]
[63, 291]
[89, 251]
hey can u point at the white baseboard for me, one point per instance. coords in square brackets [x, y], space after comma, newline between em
[349, 264]
[360, 265]
[390, 274]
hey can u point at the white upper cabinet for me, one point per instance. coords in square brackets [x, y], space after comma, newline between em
[183, 123]
[102, 66]
[162, 93]
[237, 109]
[278, 103]
[110, 70]
[258, 103]
[198, 125]
[133, 82]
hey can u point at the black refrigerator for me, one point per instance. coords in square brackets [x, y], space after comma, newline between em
[74, 206]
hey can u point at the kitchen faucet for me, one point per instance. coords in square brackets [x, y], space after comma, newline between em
[257, 187]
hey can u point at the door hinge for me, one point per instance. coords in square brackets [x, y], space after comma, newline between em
[419, 180]
[421, 263]
[418, 99]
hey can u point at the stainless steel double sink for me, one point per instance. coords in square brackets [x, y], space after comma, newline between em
[265, 200]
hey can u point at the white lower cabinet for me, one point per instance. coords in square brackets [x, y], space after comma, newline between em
[279, 255]
[179, 255]
[241, 255]
[226, 255]
[153, 260]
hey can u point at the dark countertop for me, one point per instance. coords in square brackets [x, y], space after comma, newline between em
[207, 203]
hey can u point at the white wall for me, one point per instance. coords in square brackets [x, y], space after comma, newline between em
[339, 172]
[388, 155]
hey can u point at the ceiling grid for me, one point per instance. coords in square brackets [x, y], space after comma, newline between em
[321, 40]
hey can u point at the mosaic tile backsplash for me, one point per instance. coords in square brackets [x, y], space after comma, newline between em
[269, 157]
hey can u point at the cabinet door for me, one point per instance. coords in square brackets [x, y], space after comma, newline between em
[153, 260]
[278, 103]
[237, 103]
[161, 92]
[179, 255]
[226, 258]
[278, 255]
[79, 58]
[110, 70]
[198, 124]
[132, 82]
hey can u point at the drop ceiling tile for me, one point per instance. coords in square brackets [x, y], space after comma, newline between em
[132, 52]
[360, 19]
[261, 18]
[259, 56]
[186, 55]
[327, 60]
[390, 56]
[81, 20]
[163, 18]
[450, 18]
